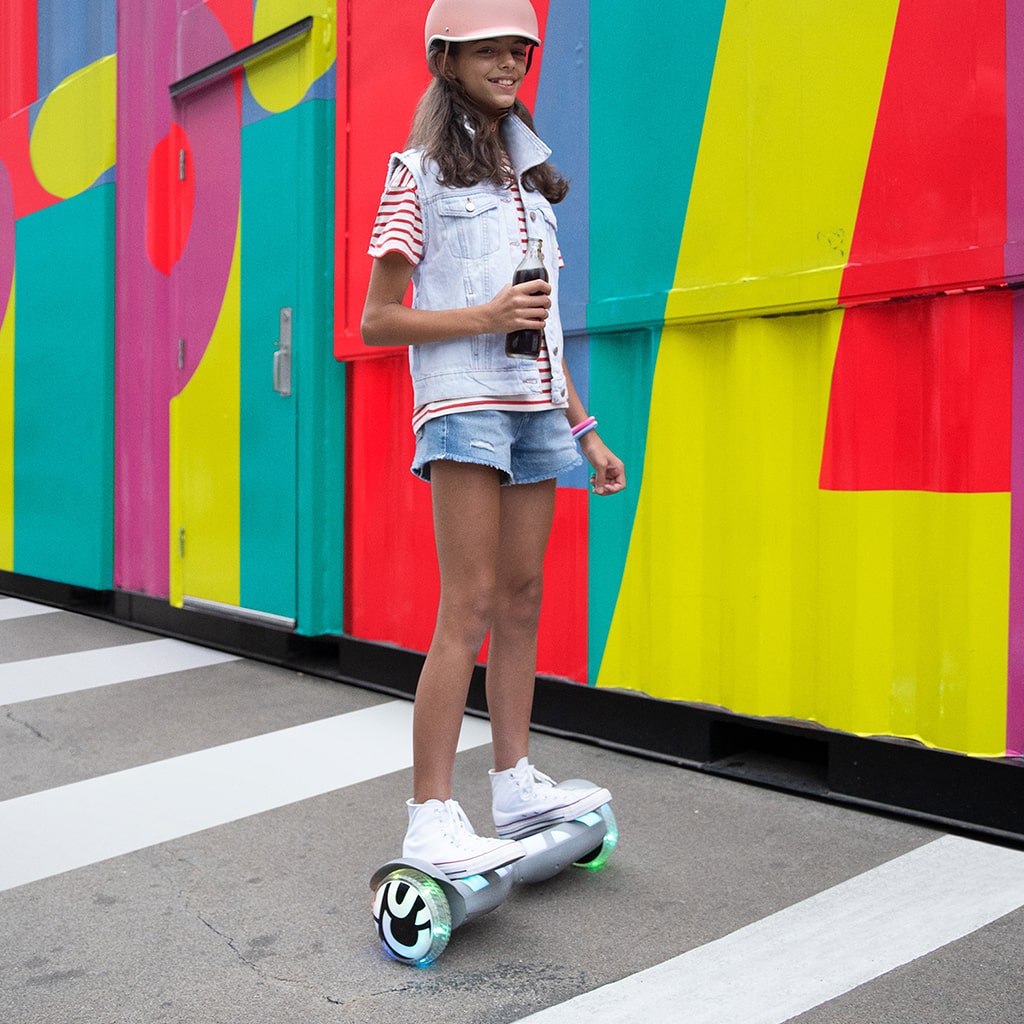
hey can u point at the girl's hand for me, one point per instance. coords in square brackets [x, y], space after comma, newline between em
[609, 474]
[388, 321]
[519, 307]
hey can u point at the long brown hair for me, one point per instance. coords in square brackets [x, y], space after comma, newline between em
[468, 157]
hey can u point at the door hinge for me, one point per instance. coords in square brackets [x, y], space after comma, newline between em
[181, 165]
[181, 353]
[181, 541]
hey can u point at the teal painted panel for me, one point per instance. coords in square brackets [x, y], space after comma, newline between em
[292, 448]
[652, 70]
[322, 412]
[64, 392]
[623, 412]
[272, 192]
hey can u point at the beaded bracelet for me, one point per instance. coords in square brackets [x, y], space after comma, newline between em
[584, 427]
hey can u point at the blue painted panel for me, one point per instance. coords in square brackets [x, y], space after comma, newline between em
[563, 121]
[72, 35]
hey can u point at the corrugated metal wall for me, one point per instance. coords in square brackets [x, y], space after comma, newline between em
[788, 250]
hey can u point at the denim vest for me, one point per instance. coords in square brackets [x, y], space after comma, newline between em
[471, 247]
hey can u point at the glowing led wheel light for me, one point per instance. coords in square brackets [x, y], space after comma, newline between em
[412, 916]
[598, 857]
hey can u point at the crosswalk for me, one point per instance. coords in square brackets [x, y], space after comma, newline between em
[856, 931]
[85, 822]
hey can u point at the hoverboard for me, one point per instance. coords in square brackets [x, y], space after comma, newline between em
[416, 907]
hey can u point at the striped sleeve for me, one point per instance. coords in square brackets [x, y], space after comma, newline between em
[399, 223]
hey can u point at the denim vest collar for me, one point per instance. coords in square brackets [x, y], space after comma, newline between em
[471, 247]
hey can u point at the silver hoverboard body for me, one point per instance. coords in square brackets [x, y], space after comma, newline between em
[416, 907]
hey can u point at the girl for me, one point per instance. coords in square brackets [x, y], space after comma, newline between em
[492, 433]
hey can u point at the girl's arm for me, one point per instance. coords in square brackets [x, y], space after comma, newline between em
[609, 474]
[387, 321]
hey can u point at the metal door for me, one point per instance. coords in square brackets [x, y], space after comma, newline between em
[245, 324]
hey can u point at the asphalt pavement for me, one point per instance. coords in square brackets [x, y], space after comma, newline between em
[188, 836]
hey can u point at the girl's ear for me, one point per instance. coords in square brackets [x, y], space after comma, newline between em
[437, 61]
[447, 71]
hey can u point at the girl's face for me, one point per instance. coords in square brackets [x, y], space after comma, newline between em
[491, 71]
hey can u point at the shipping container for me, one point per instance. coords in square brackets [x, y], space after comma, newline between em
[792, 246]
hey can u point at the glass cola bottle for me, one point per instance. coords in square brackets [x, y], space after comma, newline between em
[525, 344]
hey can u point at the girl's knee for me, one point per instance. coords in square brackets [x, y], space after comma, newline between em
[519, 602]
[467, 617]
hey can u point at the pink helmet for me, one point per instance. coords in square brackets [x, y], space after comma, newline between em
[459, 21]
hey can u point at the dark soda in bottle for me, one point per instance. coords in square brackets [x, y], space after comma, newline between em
[525, 344]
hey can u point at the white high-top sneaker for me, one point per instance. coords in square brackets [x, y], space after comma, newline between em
[440, 833]
[525, 800]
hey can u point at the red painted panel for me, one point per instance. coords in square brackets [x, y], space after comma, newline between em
[169, 201]
[921, 396]
[391, 584]
[377, 94]
[198, 47]
[235, 17]
[19, 67]
[933, 209]
[29, 195]
[562, 650]
[391, 573]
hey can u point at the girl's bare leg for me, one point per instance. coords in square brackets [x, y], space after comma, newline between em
[466, 503]
[527, 512]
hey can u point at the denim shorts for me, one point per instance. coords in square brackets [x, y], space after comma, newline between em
[525, 447]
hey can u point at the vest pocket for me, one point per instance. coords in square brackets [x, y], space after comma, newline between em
[471, 225]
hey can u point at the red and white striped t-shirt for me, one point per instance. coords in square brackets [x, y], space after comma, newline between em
[399, 228]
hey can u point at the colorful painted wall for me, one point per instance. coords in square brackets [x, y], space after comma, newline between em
[152, 231]
[824, 524]
[791, 246]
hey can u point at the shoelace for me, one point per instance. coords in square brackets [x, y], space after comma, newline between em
[536, 778]
[462, 830]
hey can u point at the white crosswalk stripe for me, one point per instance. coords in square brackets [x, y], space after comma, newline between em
[820, 948]
[66, 673]
[15, 608]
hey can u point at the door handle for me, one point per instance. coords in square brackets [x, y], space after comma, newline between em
[283, 354]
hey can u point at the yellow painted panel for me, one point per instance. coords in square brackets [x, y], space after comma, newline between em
[277, 82]
[205, 461]
[74, 139]
[786, 138]
[7, 433]
[749, 588]
[915, 617]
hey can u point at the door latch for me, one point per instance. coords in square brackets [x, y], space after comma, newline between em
[283, 355]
